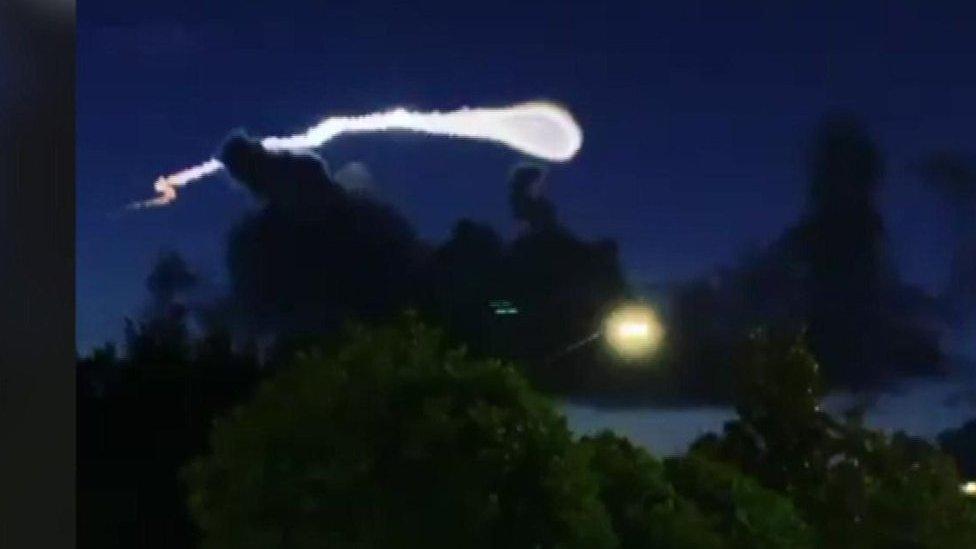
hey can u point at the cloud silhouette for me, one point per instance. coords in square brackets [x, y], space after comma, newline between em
[829, 275]
[953, 176]
[316, 253]
[313, 254]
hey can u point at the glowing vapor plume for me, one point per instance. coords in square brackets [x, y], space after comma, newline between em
[541, 129]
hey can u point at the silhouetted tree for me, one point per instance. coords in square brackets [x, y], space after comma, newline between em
[859, 488]
[162, 335]
[141, 416]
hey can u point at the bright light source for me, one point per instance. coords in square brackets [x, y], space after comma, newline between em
[633, 331]
[968, 488]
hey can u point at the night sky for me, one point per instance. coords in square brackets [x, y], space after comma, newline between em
[695, 119]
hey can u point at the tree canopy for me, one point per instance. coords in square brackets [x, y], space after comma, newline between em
[393, 439]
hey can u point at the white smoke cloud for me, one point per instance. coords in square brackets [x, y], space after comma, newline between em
[540, 129]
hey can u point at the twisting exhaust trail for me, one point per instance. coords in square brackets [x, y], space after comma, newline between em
[540, 128]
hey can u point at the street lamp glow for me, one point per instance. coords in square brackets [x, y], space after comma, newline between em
[968, 488]
[633, 331]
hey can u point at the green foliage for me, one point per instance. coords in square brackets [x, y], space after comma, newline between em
[893, 491]
[748, 515]
[646, 510]
[389, 438]
[394, 440]
[857, 487]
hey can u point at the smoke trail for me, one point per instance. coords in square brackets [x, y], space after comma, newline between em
[541, 129]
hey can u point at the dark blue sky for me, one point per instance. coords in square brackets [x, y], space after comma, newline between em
[695, 118]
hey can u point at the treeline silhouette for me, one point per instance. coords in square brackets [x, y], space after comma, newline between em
[389, 437]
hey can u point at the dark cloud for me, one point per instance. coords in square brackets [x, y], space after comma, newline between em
[865, 324]
[527, 201]
[953, 176]
[313, 254]
[828, 275]
[558, 285]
